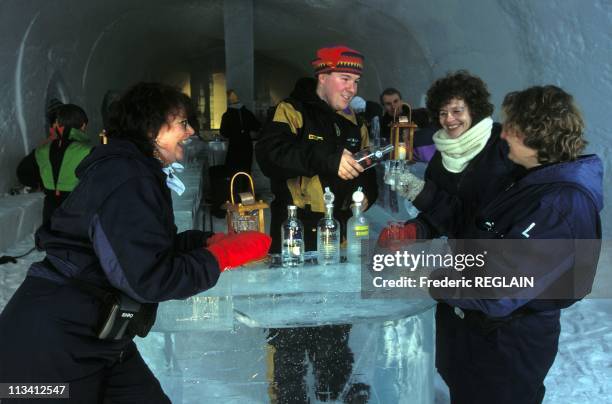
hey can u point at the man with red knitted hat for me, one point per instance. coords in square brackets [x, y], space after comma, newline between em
[308, 146]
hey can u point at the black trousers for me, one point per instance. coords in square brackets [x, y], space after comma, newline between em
[327, 349]
[326, 346]
[47, 337]
[499, 362]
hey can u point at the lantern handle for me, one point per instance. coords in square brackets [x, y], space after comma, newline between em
[409, 112]
[232, 184]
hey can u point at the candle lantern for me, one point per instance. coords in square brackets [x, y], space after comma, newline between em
[402, 136]
[248, 214]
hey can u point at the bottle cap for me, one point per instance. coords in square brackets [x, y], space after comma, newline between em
[358, 196]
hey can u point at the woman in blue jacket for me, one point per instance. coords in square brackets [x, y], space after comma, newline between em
[112, 253]
[496, 344]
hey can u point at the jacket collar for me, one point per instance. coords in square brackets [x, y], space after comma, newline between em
[78, 135]
[586, 172]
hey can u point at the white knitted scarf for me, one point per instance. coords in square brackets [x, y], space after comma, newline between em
[457, 153]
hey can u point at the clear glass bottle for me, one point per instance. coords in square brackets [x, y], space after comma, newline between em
[357, 230]
[292, 236]
[370, 156]
[328, 234]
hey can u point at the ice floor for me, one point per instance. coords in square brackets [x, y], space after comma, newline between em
[582, 372]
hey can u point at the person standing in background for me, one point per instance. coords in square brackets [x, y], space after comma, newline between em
[391, 100]
[394, 106]
[52, 165]
[237, 123]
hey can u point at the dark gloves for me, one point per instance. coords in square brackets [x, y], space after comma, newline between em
[397, 234]
[237, 249]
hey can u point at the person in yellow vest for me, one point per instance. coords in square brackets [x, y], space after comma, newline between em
[51, 166]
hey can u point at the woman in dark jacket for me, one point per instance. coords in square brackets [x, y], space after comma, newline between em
[469, 169]
[470, 166]
[497, 343]
[114, 243]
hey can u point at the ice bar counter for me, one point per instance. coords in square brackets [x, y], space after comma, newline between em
[213, 347]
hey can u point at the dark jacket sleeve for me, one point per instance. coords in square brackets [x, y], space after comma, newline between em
[543, 244]
[28, 172]
[282, 152]
[190, 240]
[136, 247]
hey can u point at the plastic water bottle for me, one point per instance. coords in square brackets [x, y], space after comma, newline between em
[357, 229]
[328, 234]
[292, 236]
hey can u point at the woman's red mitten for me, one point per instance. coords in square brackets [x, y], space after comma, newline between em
[215, 238]
[240, 248]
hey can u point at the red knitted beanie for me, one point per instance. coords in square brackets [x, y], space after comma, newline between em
[338, 58]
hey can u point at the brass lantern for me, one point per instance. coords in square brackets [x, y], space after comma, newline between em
[248, 214]
[402, 136]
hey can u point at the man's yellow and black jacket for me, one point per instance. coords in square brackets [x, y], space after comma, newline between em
[300, 151]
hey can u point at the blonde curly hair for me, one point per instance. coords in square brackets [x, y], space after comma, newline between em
[550, 121]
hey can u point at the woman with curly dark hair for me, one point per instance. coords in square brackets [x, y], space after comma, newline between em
[470, 166]
[113, 253]
[502, 343]
[469, 169]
